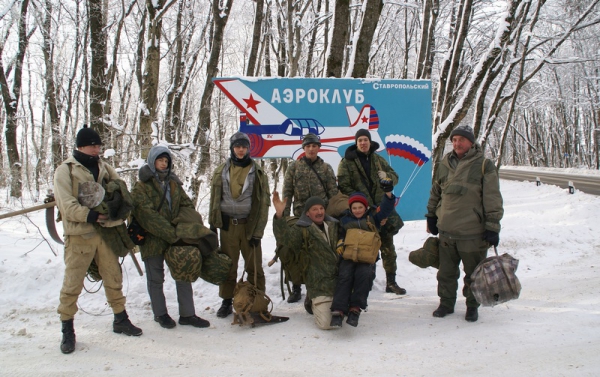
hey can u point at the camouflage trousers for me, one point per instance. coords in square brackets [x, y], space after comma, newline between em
[79, 253]
[452, 252]
[388, 253]
[234, 241]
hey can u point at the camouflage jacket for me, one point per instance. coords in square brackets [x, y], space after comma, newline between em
[465, 195]
[147, 194]
[66, 188]
[261, 200]
[318, 256]
[352, 177]
[301, 182]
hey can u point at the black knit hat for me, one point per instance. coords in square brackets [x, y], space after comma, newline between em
[465, 131]
[86, 136]
[239, 139]
[310, 138]
[313, 200]
[362, 132]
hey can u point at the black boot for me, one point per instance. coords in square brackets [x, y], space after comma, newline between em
[392, 287]
[194, 321]
[336, 319]
[122, 325]
[296, 294]
[226, 308]
[442, 311]
[165, 321]
[308, 305]
[353, 316]
[471, 315]
[67, 345]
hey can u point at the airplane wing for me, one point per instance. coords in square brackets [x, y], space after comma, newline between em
[257, 109]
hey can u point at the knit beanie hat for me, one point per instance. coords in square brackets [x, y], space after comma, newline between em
[358, 197]
[86, 136]
[310, 138]
[239, 139]
[362, 132]
[312, 201]
[465, 131]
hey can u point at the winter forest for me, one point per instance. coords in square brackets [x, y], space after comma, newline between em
[523, 73]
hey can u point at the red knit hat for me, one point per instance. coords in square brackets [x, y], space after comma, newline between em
[358, 197]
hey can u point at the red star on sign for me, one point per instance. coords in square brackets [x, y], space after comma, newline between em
[251, 103]
[364, 119]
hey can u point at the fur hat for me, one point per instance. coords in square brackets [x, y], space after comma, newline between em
[465, 131]
[358, 197]
[239, 139]
[362, 132]
[313, 201]
[86, 136]
[310, 138]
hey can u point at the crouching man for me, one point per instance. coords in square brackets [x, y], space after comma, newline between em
[312, 240]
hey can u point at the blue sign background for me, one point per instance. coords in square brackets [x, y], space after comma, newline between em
[403, 106]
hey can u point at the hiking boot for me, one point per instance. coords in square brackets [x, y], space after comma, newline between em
[165, 321]
[122, 325]
[308, 305]
[336, 319]
[194, 321]
[392, 287]
[353, 315]
[441, 311]
[67, 345]
[226, 308]
[471, 315]
[296, 294]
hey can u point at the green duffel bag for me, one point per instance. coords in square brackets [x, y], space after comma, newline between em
[184, 262]
[215, 267]
[428, 255]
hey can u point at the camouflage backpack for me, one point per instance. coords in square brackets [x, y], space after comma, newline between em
[184, 262]
[291, 263]
[428, 255]
[494, 280]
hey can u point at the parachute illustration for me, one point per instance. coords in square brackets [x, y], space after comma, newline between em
[410, 149]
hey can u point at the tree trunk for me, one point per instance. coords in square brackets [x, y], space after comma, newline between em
[99, 65]
[220, 18]
[57, 144]
[370, 20]
[11, 104]
[339, 38]
[258, 20]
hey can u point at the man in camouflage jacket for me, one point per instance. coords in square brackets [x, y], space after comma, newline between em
[307, 177]
[465, 207]
[239, 206]
[313, 239]
[360, 170]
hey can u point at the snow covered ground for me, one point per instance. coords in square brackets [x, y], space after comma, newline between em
[553, 329]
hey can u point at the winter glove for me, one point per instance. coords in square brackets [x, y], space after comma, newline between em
[254, 242]
[381, 174]
[493, 238]
[340, 247]
[432, 225]
[386, 184]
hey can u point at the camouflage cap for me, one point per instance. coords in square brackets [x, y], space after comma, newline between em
[310, 138]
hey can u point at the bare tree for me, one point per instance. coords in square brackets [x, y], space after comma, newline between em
[11, 101]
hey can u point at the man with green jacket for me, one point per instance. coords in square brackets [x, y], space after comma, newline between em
[361, 171]
[465, 208]
[306, 177]
[312, 241]
[239, 206]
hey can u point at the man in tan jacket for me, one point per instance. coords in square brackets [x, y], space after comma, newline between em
[82, 243]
